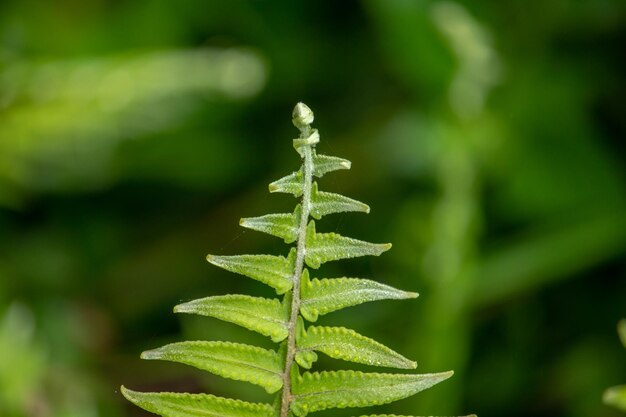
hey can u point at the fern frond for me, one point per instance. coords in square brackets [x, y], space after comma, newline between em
[314, 391]
[262, 315]
[229, 360]
[284, 320]
[170, 404]
[323, 296]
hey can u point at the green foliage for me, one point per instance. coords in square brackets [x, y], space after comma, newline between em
[616, 396]
[275, 271]
[284, 320]
[322, 296]
[346, 344]
[262, 315]
[121, 125]
[195, 405]
[316, 391]
[23, 362]
[230, 360]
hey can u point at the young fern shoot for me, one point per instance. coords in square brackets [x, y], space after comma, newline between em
[304, 299]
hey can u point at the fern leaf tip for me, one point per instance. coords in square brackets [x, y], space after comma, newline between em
[151, 354]
[127, 393]
[182, 308]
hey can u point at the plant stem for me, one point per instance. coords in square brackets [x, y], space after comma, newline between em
[299, 266]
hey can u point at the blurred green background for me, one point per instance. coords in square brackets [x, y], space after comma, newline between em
[488, 138]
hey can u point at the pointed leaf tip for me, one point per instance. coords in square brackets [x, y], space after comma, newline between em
[152, 354]
[182, 308]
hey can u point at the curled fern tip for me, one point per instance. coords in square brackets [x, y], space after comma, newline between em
[302, 116]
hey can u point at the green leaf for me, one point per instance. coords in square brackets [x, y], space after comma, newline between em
[323, 164]
[314, 391]
[284, 225]
[275, 271]
[290, 184]
[323, 203]
[171, 404]
[346, 344]
[324, 296]
[263, 315]
[230, 360]
[616, 397]
[325, 247]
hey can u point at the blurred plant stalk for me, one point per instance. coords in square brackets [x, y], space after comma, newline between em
[60, 121]
[455, 220]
